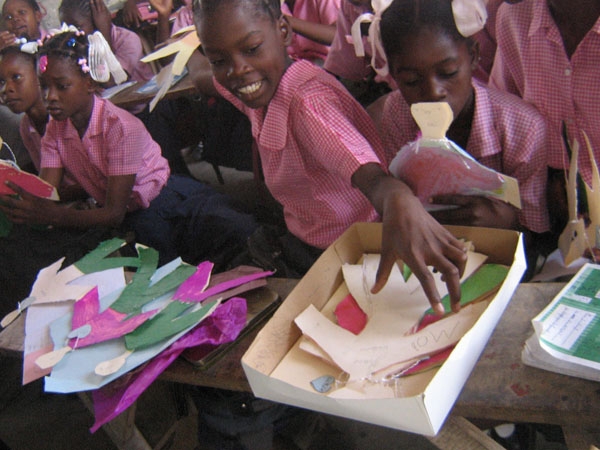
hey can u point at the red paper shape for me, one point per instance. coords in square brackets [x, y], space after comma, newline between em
[31, 183]
[350, 316]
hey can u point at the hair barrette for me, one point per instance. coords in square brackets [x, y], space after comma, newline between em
[43, 64]
[30, 47]
[72, 42]
[84, 65]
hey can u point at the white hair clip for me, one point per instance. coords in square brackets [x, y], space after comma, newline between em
[469, 15]
[102, 61]
[30, 47]
[374, 38]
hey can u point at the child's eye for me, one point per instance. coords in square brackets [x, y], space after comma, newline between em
[7, 18]
[252, 50]
[449, 74]
[216, 62]
[62, 87]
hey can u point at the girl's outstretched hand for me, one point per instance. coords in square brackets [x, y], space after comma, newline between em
[412, 235]
[131, 15]
[101, 18]
[26, 208]
[476, 211]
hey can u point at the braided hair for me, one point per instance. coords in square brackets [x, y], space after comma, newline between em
[404, 18]
[69, 45]
[270, 9]
[82, 7]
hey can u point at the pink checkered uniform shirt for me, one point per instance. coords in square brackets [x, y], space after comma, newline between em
[127, 47]
[33, 143]
[312, 138]
[115, 143]
[323, 12]
[507, 135]
[531, 62]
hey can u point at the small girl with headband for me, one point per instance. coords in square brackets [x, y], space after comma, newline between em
[110, 154]
[431, 57]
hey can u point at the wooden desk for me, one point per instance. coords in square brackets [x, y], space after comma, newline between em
[500, 388]
[129, 97]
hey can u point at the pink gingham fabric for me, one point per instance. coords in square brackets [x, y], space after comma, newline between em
[115, 143]
[531, 62]
[311, 140]
[507, 135]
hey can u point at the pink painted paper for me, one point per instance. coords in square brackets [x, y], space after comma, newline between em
[109, 324]
[222, 326]
[350, 316]
[195, 284]
[222, 287]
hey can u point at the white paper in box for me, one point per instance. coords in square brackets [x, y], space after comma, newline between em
[423, 413]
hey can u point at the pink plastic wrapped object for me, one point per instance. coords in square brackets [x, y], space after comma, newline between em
[434, 165]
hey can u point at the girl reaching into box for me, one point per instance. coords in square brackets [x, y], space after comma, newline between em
[320, 153]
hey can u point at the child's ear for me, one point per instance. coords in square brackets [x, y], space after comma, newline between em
[91, 85]
[474, 52]
[285, 29]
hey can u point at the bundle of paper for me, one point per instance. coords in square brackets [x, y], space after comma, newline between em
[86, 326]
[567, 330]
[382, 337]
[434, 165]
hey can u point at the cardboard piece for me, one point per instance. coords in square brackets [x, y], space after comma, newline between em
[427, 398]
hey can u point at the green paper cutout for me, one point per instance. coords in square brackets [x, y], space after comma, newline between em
[5, 225]
[406, 272]
[139, 292]
[484, 280]
[96, 260]
[170, 321]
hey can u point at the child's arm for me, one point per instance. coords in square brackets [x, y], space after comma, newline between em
[29, 209]
[318, 32]
[102, 20]
[411, 234]
[476, 211]
[131, 15]
[163, 27]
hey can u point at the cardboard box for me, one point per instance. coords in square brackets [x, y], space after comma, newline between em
[425, 411]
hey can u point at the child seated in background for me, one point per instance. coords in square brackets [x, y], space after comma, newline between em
[548, 53]
[431, 61]
[320, 153]
[313, 23]
[20, 92]
[109, 153]
[357, 73]
[92, 15]
[22, 19]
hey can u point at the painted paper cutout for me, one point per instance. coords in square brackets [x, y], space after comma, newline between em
[176, 317]
[28, 181]
[349, 315]
[222, 287]
[576, 238]
[97, 260]
[140, 291]
[222, 326]
[183, 49]
[361, 355]
[105, 325]
[195, 284]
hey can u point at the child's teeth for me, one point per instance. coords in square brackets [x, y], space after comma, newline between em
[250, 89]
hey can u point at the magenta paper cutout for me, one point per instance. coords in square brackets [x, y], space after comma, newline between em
[195, 284]
[109, 324]
[350, 316]
[222, 326]
[222, 287]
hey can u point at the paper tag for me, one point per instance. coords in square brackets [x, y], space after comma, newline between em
[109, 367]
[53, 358]
[433, 118]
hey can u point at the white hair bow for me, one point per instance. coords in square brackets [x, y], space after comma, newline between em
[374, 37]
[469, 15]
[102, 61]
